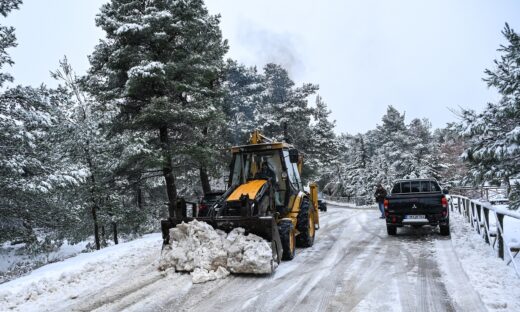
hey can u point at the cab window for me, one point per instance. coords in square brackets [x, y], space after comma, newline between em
[291, 173]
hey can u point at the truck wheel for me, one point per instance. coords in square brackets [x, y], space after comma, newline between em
[305, 225]
[391, 229]
[286, 230]
[445, 229]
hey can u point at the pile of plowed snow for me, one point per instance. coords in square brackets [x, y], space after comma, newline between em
[211, 254]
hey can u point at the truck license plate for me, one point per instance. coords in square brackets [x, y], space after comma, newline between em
[415, 217]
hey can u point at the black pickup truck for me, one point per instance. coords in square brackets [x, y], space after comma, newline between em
[417, 202]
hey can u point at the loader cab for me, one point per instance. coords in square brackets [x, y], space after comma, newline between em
[247, 163]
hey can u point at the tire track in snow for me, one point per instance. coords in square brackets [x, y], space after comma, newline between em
[463, 296]
[422, 287]
[432, 294]
[365, 275]
[353, 265]
[272, 293]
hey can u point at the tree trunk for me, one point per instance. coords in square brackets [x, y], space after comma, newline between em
[96, 227]
[204, 180]
[114, 229]
[103, 236]
[95, 206]
[139, 198]
[171, 190]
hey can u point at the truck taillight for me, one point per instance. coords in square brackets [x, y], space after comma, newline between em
[386, 203]
[444, 202]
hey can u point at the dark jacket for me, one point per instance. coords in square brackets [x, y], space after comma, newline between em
[380, 194]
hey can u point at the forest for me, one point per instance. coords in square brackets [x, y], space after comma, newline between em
[108, 153]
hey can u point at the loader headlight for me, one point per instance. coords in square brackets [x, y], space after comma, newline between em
[284, 175]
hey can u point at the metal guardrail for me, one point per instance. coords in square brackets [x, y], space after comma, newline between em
[489, 193]
[477, 214]
[358, 201]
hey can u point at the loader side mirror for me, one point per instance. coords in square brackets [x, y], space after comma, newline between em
[293, 156]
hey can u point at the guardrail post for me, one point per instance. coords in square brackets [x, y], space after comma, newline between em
[471, 214]
[479, 218]
[458, 204]
[486, 228]
[500, 235]
[467, 206]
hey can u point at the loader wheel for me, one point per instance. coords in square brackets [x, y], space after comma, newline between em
[286, 230]
[305, 225]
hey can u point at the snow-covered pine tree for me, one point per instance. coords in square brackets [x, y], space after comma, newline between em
[244, 88]
[283, 105]
[390, 160]
[493, 136]
[31, 169]
[7, 38]
[30, 166]
[161, 63]
[451, 146]
[424, 150]
[323, 148]
[392, 151]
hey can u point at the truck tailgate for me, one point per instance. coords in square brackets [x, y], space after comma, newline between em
[415, 204]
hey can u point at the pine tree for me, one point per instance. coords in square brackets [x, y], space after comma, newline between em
[391, 158]
[424, 150]
[494, 135]
[323, 148]
[244, 88]
[285, 106]
[7, 38]
[30, 166]
[161, 62]
[392, 151]
[451, 146]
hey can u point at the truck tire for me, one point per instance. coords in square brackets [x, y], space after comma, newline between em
[305, 225]
[444, 229]
[391, 229]
[286, 230]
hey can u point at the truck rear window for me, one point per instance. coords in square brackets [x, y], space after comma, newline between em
[416, 187]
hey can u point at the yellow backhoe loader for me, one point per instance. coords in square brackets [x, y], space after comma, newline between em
[265, 196]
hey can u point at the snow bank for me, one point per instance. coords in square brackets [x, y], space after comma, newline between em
[211, 254]
[72, 281]
[496, 283]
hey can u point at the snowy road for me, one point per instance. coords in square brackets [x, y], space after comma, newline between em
[353, 266]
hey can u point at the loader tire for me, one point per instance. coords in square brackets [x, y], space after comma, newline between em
[286, 230]
[305, 225]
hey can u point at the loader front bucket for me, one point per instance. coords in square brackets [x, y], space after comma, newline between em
[264, 227]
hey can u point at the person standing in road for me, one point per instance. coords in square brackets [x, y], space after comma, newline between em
[380, 195]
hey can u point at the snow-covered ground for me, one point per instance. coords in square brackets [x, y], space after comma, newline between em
[15, 260]
[353, 265]
[496, 283]
[48, 287]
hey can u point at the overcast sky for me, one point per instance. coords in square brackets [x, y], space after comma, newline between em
[422, 57]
